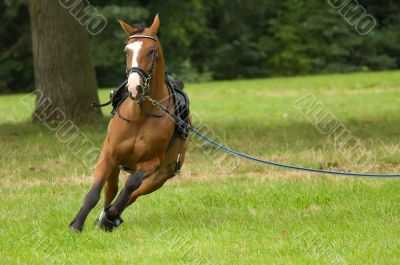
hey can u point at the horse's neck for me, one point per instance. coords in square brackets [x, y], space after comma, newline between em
[158, 89]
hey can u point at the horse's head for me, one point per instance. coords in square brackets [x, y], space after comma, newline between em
[141, 57]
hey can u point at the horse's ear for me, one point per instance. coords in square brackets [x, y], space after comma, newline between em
[127, 28]
[156, 24]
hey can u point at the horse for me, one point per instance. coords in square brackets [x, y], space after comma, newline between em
[140, 138]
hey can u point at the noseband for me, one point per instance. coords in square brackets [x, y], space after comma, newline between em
[143, 73]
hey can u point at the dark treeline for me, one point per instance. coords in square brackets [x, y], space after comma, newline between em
[223, 39]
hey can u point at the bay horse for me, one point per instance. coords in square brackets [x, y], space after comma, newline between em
[140, 138]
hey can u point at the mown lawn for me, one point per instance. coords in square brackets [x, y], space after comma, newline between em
[220, 210]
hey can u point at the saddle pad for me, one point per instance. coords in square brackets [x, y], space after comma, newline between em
[182, 103]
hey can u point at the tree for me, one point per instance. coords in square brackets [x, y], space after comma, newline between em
[16, 65]
[224, 39]
[64, 73]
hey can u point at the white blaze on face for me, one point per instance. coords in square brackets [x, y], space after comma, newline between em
[134, 79]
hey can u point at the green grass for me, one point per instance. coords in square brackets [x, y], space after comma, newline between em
[210, 214]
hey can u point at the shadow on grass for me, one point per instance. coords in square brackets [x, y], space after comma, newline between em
[242, 130]
[29, 129]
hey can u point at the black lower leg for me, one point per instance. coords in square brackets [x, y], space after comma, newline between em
[131, 184]
[91, 199]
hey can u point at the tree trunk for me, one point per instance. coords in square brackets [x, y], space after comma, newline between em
[64, 73]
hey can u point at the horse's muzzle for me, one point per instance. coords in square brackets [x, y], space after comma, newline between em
[139, 92]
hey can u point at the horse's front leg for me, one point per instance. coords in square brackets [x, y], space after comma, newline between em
[112, 214]
[105, 168]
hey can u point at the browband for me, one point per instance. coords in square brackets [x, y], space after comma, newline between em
[143, 36]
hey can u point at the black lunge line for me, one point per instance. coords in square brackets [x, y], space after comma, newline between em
[258, 160]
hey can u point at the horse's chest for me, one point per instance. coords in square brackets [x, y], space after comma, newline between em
[133, 148]
[139, 148]
[131, 145]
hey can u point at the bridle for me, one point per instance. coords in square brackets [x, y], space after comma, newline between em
[144, 91]
[146, 76]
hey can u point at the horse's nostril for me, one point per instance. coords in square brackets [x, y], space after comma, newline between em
[139, 88]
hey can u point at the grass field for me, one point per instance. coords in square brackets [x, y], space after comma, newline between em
[214, 213]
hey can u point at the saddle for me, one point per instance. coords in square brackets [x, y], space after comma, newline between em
[180, 98]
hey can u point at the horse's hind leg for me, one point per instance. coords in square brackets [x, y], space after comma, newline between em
[150, 184]
[165, 172]
[111, 218]
[104, 170]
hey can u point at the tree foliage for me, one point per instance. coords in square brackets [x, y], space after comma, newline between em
[223, 39]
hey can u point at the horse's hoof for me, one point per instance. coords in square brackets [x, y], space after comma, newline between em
[75, 228]
[108, 224]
